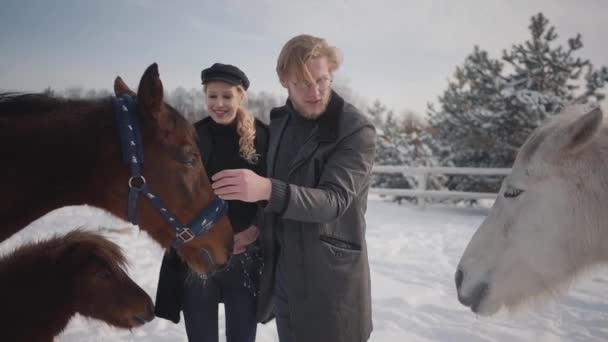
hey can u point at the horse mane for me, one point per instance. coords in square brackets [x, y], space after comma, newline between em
[16, 106]
[19, 104]
[34, 117]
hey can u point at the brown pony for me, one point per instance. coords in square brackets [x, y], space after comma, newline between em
[58, 152]
[44, 284]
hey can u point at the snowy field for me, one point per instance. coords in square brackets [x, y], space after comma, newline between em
[413, 254]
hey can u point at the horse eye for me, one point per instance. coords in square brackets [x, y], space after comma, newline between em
[105, 274]
[190, 159]
[512, 192]
[186, 156]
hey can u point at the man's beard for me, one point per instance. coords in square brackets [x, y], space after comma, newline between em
[315, 115]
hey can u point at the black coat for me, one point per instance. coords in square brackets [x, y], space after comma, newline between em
[219, 151]
[324, 248]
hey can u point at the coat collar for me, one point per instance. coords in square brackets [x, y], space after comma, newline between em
[328, 120]
[327, 130]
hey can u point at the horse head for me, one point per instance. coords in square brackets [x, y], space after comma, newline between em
[546, 224]
[174, 171]
[101, 289]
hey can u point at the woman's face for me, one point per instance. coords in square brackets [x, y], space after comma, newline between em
[223, 99]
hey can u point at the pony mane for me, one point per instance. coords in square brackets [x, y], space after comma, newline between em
[101, 247]
[57, 246]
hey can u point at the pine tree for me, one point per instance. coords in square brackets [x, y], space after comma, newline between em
[403, 141]
[48, 91]
[491, 106]
[376, 112]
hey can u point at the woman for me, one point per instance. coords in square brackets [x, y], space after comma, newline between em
[230, 138]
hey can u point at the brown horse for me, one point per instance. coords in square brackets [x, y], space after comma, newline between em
[59, 152]
[44, 284]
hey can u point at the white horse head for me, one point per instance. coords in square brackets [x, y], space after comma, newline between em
[548, 222]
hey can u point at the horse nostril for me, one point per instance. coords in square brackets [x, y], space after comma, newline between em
[151, 313]
[478, 295]
[458, 278]
[145, 317]
[475, 298]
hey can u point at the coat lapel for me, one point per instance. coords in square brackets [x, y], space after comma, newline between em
[278, 120]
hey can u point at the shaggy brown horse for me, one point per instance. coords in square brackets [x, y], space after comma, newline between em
[58, 152]
[44, 284]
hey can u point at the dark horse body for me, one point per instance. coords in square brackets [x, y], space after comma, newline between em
[43, 285]
[61, 152]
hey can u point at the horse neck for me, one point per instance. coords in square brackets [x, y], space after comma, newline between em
[36, 298]
[52, 160]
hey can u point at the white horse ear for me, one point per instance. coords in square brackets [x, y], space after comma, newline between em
[582, 131]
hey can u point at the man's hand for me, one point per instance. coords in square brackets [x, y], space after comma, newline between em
[241, 184]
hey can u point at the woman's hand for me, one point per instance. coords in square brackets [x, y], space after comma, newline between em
[245, 238]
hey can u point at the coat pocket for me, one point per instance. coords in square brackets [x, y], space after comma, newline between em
[340, 251]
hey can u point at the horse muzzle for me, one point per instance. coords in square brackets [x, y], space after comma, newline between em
[474, 298]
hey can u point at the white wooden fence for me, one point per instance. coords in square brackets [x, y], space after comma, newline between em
[422, 173]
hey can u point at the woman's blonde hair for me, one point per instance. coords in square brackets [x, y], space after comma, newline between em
[245, 127]
[299, 50]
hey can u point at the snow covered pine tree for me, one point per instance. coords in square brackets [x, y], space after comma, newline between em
[403, 140]
[488, 109]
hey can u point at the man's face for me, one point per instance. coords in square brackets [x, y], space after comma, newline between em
[310, 97]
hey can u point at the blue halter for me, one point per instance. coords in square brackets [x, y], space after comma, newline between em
[132, 154]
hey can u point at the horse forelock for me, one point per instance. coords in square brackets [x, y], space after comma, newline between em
[543, 143]
[173, 114]
[178, 120]
[107, 251]
[533, 144]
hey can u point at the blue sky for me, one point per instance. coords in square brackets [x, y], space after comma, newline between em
[398, 51]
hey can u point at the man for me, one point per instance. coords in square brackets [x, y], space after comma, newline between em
[316, 278]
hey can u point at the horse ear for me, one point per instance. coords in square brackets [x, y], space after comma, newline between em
[121, 88]
[582, 131]
[150, 92]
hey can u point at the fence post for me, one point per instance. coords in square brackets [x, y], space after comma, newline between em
[422, 200]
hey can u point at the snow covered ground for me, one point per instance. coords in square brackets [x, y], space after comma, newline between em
[413, 254]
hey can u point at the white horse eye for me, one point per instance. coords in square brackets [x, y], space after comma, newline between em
[512, 192]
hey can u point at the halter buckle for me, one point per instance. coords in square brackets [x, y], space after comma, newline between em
[189, 235]
[137, 182]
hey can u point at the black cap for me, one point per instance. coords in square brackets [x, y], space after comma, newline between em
[227, 73]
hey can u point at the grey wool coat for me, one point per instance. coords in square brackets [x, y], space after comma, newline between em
[327, 267]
